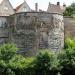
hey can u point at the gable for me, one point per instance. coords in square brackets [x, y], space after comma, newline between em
[23, 8]
[6, 8]
[54, 8]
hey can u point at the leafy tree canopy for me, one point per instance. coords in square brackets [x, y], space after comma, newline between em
[70, 10]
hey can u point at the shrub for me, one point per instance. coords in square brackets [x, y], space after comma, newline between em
[67, 61]
[12, 63]
[70, 43]
[19, 64]
[46, 63]
[7, 51]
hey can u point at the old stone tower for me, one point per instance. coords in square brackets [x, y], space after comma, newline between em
[31, 30]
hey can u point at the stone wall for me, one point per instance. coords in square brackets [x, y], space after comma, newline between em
[69, 27]
[56, 33]
[36, 30]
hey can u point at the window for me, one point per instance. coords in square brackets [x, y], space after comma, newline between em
[24, 9]
[3, 24]
[5, 8]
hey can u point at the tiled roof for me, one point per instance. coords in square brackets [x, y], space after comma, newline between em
[6, 8]
[4, 14]
[21, 6]
[18, 7]
[54, 8]
[63, 8]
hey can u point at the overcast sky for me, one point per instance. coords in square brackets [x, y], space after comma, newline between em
[43, 4]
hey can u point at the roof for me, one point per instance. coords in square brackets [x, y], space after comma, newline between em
[52, 8]
[18, 7]
[21, 6]
[63, 8]
[4, 14]
[6, 8]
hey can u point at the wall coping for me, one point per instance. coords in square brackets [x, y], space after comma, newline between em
[37, 12]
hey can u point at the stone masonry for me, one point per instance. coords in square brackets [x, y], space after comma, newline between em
[32, 31]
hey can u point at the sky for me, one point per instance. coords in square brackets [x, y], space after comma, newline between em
[42, 4]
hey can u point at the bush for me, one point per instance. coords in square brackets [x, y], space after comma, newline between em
[19, 64]
[7, 51]
[46, 63]
[12, 63]
[67, 58]
[67, 62]
[69, 43]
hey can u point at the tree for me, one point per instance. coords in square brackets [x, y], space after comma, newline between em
[70, 10]
[67, 58]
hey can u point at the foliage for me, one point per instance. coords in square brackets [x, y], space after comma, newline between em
[15, 64]
[70, 43]
[67, 58]
[70, 10]
[67, 62]
[18, 64]
[9, 72]
[7, 51]
[46, 63]
[11, 62]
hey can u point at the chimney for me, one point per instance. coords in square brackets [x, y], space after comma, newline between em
[64, 5]
[58, 3]
[36, 7]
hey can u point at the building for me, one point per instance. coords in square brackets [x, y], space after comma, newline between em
[32, 30]
[52, 8]
[23, 8]
[6, 10]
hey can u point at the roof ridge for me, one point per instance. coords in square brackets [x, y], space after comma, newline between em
[24, 3]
